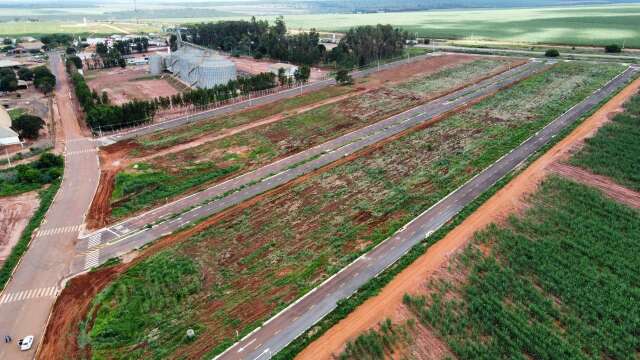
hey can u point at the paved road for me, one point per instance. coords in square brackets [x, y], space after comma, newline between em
[26, 302]
[523, 52]
[182, 120]
[279, 331]
[130, 234]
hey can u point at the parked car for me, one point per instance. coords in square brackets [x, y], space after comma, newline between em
[25, 343]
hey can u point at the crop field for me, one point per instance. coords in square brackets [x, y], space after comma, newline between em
[615, 150]
[148, 183]
[257, 259]
[576, 25]
[559, 281]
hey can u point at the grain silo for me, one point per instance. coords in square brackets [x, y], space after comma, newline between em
[199, 67]
[156, 64]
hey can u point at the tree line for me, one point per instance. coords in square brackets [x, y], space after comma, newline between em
[101, 115]
[361, 45]
[41, 76]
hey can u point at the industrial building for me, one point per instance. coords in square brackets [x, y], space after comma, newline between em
[196, 66]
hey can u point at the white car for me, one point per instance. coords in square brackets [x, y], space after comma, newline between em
[25, 343]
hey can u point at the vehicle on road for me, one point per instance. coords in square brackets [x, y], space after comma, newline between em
[25, 343]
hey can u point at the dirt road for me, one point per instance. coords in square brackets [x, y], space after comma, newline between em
[509, 200]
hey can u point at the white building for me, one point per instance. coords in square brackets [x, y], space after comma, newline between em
[7, 135]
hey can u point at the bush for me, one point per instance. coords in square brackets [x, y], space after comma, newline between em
[343, 77]
[25, 74]
[613, 48]
[552, 53]
[28, 126]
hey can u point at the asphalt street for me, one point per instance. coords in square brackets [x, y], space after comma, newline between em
[26, 302]
[280, 330]
[244, 104]
[96, 248]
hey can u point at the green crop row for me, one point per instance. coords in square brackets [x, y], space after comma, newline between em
[615, 150]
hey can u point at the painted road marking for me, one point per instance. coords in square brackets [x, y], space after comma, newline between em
[28, 294]
[244, 347]
[92, 259]
[77, 152]
[59, 230]
[95, 240]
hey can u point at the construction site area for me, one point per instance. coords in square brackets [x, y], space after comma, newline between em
[242, 265]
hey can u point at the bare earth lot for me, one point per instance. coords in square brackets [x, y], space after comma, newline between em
[15, 212]
[132, 82]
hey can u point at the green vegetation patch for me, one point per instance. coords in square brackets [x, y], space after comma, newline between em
[615, 150]
[561, 281]
[259, 260]
[32, 176]
[147, 313]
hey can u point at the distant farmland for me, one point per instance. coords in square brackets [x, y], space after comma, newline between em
[578, 25]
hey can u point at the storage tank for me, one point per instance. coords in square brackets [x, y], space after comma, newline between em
[156, 64]
[215, 70]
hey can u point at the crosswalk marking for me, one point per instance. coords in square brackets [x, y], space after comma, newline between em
[84, 151]
[92, 259]
[28, 294]
[59, 230]
[95, 240]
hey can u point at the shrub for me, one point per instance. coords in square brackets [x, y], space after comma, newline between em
[613, 48]
[552, 53]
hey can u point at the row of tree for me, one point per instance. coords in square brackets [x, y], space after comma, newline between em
[102, 115]
[360, 46]
[259, 39]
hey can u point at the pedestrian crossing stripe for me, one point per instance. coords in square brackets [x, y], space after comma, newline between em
[76, 152]
[92, 259]
[28, 294]
[95, 240]
[59, 230]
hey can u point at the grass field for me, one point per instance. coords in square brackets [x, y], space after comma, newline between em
[560, 281]
[150, 183]
[259, 259]
[579, 25]
[615, 150]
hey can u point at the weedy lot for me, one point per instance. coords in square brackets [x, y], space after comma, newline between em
[254, 260]
[615, 150]
[152, 179]
[559, 281]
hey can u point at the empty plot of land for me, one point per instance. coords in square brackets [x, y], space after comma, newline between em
[124, 85]
[248, 65]
[157, 178]
[250, 262]
[15, 212]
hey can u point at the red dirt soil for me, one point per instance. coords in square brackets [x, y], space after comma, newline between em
[114, 158]
[15, 212]
[606, 185]
[508, 200]
[121, 87]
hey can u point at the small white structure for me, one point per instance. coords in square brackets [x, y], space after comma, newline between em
[289, 69]
[7, 135]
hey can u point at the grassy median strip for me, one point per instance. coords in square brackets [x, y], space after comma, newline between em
[46, 198]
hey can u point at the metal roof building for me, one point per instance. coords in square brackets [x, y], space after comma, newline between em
[198, 67]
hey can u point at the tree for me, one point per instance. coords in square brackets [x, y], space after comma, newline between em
[25, 74]
[76, 61]
[122, 63]
[343, 77]
[173, 42]
[28, 126]
[43, 79]
[7, 41]
[8, 80]
[105, 98]
[552, 53]
[101, 49]
[613, 48]
[282, 76]
[70, 50]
